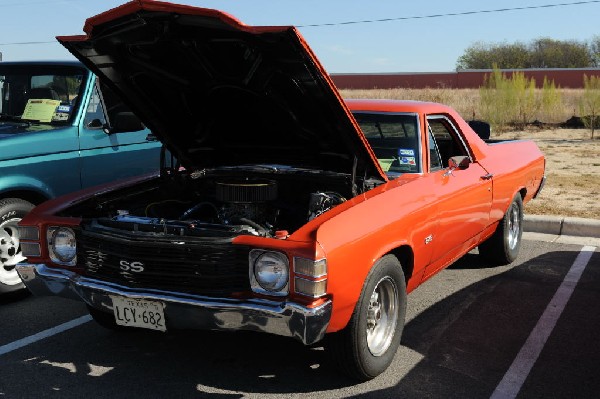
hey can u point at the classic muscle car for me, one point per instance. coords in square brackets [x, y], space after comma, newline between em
[283, 209]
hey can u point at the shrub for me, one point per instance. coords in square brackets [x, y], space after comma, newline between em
[589, 104]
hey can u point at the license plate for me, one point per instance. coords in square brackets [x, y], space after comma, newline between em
[141, 313]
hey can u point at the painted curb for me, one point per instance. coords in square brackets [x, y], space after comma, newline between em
[561, 225]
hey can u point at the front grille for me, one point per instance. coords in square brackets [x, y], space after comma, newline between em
[216, 268]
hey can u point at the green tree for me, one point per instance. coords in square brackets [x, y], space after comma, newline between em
[484, 56]
[550, 53]
[539, 53]
[589, 104]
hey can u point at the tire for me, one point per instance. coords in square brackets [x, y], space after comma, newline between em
[367, 345]
[503, 246]
[12, 210]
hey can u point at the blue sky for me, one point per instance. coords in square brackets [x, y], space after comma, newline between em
[410, 45]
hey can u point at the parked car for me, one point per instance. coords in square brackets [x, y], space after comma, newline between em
[60, 130]
[296, 213]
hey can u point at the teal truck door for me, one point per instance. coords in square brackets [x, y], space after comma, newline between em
[106, 157]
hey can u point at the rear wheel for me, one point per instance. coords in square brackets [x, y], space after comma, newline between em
[12, 210]
[367, 345]
[503, 246]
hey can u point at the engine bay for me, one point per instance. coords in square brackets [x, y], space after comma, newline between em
[222, 205]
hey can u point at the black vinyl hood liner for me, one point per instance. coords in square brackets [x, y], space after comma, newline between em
[220, 93]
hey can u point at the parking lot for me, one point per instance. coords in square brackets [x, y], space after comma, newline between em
[472, 331]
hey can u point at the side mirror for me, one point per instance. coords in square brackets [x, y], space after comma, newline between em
[483, 129]
[459, 162]
[95, 124]
[124, 122]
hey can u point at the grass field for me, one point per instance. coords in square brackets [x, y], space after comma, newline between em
[466, 101]
[572, 158]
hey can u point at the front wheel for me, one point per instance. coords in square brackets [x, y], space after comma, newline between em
[367, 345]
[12, 210]
[503, 246]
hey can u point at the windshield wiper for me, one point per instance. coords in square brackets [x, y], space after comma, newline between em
[14, 118]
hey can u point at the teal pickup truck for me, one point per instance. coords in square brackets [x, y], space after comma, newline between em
[61, 130]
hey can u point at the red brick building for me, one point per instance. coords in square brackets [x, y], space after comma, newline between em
[565, 78]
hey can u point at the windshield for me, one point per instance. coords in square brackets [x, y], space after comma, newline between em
[38, 93]
[394, 139]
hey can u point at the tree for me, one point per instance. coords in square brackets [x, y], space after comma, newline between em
[589, 104]
[540, 53]
[594, 47]
[485, 56]
[550, 53]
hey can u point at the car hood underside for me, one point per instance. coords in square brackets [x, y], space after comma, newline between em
[220, 93]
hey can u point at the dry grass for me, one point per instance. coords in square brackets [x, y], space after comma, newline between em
[466, 101]
[572, 159]
[572, 171]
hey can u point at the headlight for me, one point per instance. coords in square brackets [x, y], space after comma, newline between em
[62, 245]
[269, 272]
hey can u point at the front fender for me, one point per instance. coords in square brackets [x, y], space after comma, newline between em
[13, 183]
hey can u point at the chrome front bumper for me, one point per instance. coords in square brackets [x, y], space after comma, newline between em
[185, 310]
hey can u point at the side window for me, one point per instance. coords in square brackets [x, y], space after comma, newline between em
[435, 162]
[94, 114]
[394, 139]
[446, 137]
[103, 108]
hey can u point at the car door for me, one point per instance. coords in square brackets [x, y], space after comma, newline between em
[106, 157]
[464, 196]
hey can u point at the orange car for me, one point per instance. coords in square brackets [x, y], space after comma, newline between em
[282, 208]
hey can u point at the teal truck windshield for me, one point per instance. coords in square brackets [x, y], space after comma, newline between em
[40, 95]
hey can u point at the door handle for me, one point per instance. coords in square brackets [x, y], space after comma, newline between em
[487, 177]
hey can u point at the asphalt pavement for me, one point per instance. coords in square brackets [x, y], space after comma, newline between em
[524, 330]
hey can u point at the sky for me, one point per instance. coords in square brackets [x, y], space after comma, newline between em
[406, 43]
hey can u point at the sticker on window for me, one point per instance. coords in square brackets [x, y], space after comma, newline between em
[407, 161]
[406, 152]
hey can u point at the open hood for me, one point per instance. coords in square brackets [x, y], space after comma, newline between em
[221, 93]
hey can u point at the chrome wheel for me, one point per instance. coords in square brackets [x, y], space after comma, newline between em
[382, 316]
[514, 226]
[10, 253]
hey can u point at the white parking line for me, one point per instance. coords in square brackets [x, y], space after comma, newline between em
[4, 349]
[514, 378]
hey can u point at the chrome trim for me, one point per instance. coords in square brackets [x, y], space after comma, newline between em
[255, 285]
[50, 237]
[187, 311]
[539, 190]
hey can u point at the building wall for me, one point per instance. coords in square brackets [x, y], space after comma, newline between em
[565, 78]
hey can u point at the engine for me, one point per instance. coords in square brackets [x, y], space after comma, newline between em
[226, 207]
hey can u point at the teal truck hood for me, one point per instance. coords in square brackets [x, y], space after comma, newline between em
[217, 92]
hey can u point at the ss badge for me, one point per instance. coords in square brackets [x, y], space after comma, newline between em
[136, 267]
